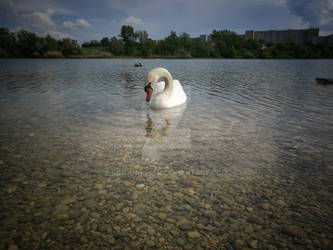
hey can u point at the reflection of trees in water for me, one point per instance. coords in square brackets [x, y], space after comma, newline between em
[130, 81]
[29, 81]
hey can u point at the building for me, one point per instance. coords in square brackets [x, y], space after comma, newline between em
[325, 39]
[298, 37]
[206, 38]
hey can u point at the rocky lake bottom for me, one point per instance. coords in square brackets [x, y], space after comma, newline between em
[65, 191]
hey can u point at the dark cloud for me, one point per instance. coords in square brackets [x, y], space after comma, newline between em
[308, 10]
[314, 13]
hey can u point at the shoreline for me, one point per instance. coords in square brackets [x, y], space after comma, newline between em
[166, 57]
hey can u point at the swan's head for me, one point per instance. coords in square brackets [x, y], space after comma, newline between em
[150, 82]
[152, 79]
[148, 90]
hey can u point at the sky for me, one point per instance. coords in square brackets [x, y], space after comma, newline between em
[86, 20]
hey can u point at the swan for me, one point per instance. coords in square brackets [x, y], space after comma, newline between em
[165, 94]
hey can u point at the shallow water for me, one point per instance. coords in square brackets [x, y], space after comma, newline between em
[85, 163]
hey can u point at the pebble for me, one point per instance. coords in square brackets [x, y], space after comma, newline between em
[13, 247]
[210, 213]
[151, 231]
[265, 206]
[280, 203]
[83, 240]
[42, 185]
[207, 206]
[162, 216]
[150, 243]
[249, 209]
[184, 224]
[253, 243]
[174, 232]
[181, 241]
[68, 200]
[248, 229]
[98, 186]
[170, 220]
[239, 243]
[193, 235]
[178, 195]
[95, 215]
[140, 186]
[135, 243]
[295, 231]
[19, 178]
[255, 219]
[11, 189]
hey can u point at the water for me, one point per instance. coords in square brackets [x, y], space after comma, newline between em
[246, 163]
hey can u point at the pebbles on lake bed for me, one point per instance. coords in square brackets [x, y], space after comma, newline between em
[82, 181]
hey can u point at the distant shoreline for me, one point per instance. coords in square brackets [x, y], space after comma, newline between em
[164, 58]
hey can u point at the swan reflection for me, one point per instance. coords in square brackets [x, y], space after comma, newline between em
[155, 132]
[163, 132]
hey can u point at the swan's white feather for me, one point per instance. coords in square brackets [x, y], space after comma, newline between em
[161, 101]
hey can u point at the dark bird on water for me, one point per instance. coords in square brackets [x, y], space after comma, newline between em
[324, 80]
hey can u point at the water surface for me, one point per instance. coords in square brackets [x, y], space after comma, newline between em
[247, 162]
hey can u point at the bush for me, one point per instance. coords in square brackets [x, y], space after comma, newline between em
[53, 54]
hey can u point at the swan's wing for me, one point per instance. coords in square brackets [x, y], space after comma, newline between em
[160, 101]
[159, 87]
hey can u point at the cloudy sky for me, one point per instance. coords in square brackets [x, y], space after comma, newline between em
[86, 20]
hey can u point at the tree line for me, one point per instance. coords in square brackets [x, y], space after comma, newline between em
[131, 43]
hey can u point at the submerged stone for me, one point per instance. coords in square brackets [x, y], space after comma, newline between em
[193, 235]
[295, 231]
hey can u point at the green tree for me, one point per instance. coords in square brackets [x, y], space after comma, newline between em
[105, 41]
[50, 44]
[29, 45]
[116, 46]
[91, 44]
[128, 36]
[141, 36]
[8, 46]
[200, 48]
[171, 44]
[184, 44]
[228, 43]
[69, 47]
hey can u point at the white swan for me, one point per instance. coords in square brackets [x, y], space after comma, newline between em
[165, 94]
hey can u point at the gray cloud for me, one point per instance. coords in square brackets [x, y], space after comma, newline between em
[32, 6]
[39, 20]
[135, 22]
[314, 13]
[308, 10]
[79, 23]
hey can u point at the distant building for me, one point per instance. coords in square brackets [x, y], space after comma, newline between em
[324, 39]
[206, 38]
[298, 37]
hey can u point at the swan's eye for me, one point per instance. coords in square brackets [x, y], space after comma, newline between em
[148, 87]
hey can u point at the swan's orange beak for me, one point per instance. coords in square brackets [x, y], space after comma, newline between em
[149, 92]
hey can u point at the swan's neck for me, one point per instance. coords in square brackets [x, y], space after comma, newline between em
[168, 83]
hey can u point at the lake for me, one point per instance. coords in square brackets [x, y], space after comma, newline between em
[246, 163]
